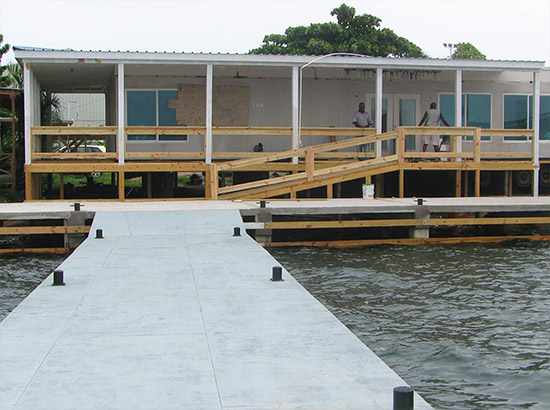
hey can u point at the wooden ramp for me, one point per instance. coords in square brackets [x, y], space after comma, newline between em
[323, 164]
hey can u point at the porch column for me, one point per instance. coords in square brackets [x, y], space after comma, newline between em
[121, 110]
[295, 108]
[29, 103]
[458, 108]
[536, 128]
[379, 80]
[208, 136]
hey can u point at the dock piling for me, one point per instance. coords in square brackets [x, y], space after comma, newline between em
[403, 398]
[99, 233]
[236, 231]
[277, 275]
[58, 278]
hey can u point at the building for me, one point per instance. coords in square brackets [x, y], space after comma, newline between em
[193, 110]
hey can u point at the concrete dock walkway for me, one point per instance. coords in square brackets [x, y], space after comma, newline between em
[171, 311]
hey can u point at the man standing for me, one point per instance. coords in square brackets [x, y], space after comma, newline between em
[361, 119]
[431, 118]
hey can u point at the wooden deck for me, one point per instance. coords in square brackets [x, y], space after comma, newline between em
[301, 169]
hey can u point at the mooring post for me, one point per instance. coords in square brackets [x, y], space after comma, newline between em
[403, 398]
[58, 278]
[277, 274]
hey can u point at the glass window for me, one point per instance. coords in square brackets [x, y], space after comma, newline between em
[516, 114]
[407, 115]
[476, 110]
[150, 108]
[544, 118]
[141, 110]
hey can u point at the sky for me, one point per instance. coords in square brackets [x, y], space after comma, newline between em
[500, 29]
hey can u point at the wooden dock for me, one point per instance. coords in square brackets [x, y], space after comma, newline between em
[171, 310]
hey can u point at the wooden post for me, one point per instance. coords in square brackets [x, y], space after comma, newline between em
[330, 188]
[477, 145]
[149, 186]
[310, 164]
[452, 146]
[28, 185]
[401, 145]
[458, 185]
[466, 184]
[214, 181]
[61, 186]
[401, 183]
[121, 193]
[510, 183]
[478, 183]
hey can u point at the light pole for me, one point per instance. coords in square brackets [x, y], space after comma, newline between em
[450, 47]
[299, 144]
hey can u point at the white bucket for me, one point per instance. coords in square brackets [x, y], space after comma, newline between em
[368, 191]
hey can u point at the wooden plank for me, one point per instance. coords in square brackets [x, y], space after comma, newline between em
[404, 241]
[74, 155]
[458, 131]
[213, 182]
[458, 184]
[41, 230]
[401, 183]
[477, 186]
[406, 222]
[121, 186]
[35, 250]
[477, 145]
[507, 132]
[401, 146]
[163, 155]
[310, 164]
[96, 131]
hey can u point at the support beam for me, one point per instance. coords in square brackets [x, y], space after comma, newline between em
[379, 82]
[536, 128]
[29, 110]
[295, 108]
[121, 110]
[121, 192]
[458, 109]
[208, 136]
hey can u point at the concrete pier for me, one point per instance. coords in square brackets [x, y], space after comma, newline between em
[171, 311]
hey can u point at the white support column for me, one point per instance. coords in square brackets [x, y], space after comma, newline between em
[208, 136]
[379, 81]
[458, 108]
[29, 104]
[536, 128]
[121, 110]
[295, 111]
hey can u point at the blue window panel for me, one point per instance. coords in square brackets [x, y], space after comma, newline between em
[544, 118]
[407, 117]
[515, 114]
[167, 116]
[447, 107]
[478, 112]
[141, 111]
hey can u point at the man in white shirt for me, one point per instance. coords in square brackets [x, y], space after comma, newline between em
[361, 119]
[431, 118]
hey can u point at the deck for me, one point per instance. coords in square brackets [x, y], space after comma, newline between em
[320, 165]
[170, 310]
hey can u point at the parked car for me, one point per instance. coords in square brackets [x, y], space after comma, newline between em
[86, 148]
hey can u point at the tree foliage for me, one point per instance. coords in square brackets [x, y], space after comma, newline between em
[466, 51]
[352, 33]
[4, 80]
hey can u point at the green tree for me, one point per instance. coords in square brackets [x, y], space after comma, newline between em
[466, 51]
[360, 34]
[4, 80]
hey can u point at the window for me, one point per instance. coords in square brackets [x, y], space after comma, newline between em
[150, 108]
[476, 110]
[518, 113]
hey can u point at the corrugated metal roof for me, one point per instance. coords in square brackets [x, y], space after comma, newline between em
[37, 54]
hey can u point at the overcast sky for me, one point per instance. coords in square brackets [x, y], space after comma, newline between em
[501, 29]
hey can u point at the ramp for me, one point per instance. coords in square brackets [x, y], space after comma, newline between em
[171, 311]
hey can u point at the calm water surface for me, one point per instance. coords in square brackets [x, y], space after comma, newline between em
[467, 326]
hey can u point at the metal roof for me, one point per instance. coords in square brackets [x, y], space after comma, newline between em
[57, 56]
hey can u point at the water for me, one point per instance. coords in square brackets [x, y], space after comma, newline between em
[467, 326]
[20, 274]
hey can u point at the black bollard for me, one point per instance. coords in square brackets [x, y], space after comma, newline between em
[99, 233]
[277, 275]
[236, 231]
[403, 398]
[262, 204]
[76, 206]
[420, 201]
[58, 278]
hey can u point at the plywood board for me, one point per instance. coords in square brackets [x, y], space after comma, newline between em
[230, 105]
